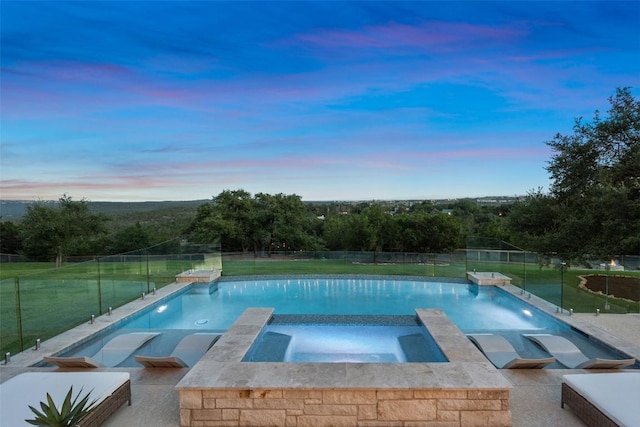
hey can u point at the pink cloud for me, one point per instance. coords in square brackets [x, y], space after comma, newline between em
[434, 35]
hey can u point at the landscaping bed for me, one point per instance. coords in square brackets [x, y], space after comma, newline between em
[623, 287]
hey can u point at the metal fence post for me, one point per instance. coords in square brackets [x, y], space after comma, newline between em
[19, 312]
[148, 273]
[99, 288]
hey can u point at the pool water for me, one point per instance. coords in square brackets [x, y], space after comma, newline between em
[364, 339]
[472, 308]
[469, 306]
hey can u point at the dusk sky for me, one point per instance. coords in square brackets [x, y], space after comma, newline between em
[180, 100]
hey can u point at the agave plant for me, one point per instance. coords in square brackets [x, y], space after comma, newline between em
[69, 414]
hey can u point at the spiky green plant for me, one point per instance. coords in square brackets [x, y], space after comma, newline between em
[69, 414]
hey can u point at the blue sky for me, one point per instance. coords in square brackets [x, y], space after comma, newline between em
[136, 101]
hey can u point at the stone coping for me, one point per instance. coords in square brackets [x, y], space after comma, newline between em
[198, 276]
[222, 368]
[488, 278]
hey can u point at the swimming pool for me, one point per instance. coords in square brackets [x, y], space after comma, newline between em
[470, 307]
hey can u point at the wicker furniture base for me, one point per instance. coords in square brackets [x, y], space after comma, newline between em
[100, 413]
[584, 409]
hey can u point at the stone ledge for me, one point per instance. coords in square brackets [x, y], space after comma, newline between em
[488, 278]
[198, 276]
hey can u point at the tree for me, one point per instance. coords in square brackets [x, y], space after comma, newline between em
[599, 153]
[262, 223]
[337, 232]
[535, 223]
[54, 230]
[594, 203]
[10, 242]
[233, 218]
[375, 229]
[376, 221]
[131, 238]
[292, 225]
[429, 233]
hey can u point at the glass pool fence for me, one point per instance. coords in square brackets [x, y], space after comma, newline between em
[42, 304]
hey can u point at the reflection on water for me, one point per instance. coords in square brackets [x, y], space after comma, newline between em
[470, 307]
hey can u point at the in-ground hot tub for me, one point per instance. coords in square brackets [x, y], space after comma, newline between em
[222, 389]
[344, 339]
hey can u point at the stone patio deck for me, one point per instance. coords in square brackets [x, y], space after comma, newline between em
[534, 398]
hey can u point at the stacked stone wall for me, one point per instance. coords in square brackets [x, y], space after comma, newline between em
[344, 407]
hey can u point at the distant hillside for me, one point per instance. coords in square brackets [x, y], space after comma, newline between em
[127, 207]
[13, 210]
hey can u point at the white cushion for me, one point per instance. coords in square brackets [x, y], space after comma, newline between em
[31, 388]
[617, 394]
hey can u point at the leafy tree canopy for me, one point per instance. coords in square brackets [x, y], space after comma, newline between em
[603, 153]
[259, 223]
[54, 230]
[593, 208]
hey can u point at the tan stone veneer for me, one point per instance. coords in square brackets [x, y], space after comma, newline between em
[220, 390]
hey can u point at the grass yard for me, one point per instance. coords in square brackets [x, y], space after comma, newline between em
[52, 300]
[331, 266]
[13, 269]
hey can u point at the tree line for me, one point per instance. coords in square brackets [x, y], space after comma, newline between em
[591, 209]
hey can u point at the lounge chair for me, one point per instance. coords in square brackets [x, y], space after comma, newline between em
[186, 354]
[603, 399]
[502, 354]
[109, 389]
[570, 356]
[111, 354]
[73, 362]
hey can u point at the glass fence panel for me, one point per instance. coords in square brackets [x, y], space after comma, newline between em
[603, 290]
[590, 286]
[37, 301]
[345, 262]
[10, 340]
[50, 301]
[123, 278]
[53, 301]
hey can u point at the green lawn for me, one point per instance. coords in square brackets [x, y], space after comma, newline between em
[279, 267]
[14, 269]
[54, 300]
